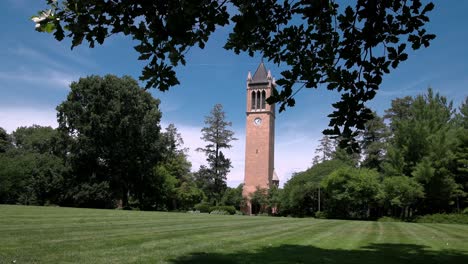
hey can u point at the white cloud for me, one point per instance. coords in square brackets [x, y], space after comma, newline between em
[37, 57]
[14, 117]
[294, 147]
[41, 78]
[294, 151]
[412, 87]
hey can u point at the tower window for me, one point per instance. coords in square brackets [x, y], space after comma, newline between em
[252, 99]
[263, 100]
[258, 100]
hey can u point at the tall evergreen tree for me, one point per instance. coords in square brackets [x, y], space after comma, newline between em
[218, 136]
[423, 143]
[461, 155]
[373, 143]
[325, 149]
[399, 110]
[5, 142]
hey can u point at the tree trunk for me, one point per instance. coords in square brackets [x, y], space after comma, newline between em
[124, 196]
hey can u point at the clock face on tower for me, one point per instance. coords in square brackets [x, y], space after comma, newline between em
[257, 121]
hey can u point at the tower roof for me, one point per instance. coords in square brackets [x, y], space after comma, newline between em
[275, 176]
[261, 74]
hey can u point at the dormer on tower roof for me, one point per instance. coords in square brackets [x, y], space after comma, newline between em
[261, 74]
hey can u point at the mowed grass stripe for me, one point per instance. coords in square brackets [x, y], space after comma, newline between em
[325, 238]
[151, 236]
[413, 233]
[72, 235]
[249, 241]
[443, 236]
[169, 246]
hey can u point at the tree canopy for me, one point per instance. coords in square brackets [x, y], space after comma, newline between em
[114, 134]
[348, 48]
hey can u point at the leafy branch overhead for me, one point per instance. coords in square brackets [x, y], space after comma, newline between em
[346, 48]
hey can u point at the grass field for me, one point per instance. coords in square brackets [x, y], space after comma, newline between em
[69, 235]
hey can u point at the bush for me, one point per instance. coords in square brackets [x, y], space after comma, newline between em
[228, 208]
[239, 212]
[203, 207]
[388, 219]
[320, 215]
[219, 212]
[465, 211]
[443, 219]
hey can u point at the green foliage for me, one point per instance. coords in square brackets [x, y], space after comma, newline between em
[401, 191]
[423, 144]
[114, 129]
[351, 192]
[36, 138]
[224, 208]
[373, 143]
[216, 134]
[30, 170]
[94, 194]
[233, 196]
[325, 150]
[320, 215]
[187, 195]
[300, 193]
[203, 207]
[259, 201]
[349, 47]
[5, 141]
[344, 57]
[443, 219]
[219, 212]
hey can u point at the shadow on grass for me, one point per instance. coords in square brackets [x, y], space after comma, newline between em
[374, 253]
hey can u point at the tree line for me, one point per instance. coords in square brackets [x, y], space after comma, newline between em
[109, 151]
[413, 161]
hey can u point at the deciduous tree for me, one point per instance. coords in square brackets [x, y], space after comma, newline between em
[115, 129]
[348, 48]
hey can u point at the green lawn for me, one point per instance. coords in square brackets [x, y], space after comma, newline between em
[69, 235]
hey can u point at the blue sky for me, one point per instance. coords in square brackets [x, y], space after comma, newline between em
[36, 69]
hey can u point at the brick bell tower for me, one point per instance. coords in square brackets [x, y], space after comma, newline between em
[260, 135]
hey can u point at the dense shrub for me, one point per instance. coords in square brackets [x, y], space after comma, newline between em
[228, 208]
[465, 211]
[219, 212]
[203, 207]
[443, 219]
[300, 193]
[320, 215]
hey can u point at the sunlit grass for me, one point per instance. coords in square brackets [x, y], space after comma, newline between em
[70, 235]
